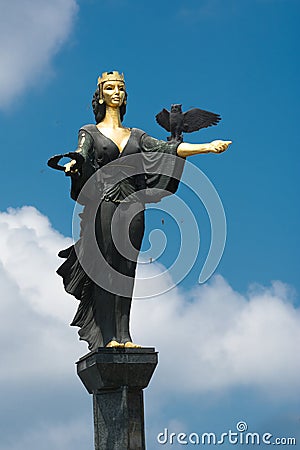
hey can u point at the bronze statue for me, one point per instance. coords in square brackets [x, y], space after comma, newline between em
[124, 168]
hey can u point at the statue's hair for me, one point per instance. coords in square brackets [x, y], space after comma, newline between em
[99, 110]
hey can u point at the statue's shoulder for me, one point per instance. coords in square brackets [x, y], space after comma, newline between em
[90, 128]
[139, 133]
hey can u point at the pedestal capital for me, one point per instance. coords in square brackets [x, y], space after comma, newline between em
[111, 368]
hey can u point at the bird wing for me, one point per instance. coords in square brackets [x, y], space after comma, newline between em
[196, 118]
[163, 119]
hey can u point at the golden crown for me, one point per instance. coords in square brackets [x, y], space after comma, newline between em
[111, 76]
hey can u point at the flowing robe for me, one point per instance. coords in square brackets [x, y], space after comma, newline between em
[113, 186]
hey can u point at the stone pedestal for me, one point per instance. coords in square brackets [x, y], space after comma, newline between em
[116, 377]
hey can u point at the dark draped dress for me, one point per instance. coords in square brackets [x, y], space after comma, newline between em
[113, 186]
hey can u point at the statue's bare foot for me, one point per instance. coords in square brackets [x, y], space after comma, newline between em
[114, 344]
[132, 345]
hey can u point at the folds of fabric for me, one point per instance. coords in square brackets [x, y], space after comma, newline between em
[112, 225]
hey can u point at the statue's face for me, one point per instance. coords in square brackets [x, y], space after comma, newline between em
[113, 93]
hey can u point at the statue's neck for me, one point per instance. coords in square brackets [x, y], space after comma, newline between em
[112, 118]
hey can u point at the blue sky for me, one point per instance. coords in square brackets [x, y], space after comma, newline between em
[230, 351]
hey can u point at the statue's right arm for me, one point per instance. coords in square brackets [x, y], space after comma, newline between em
[85, 147]
[79, 177]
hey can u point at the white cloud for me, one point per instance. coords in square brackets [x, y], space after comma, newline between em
[29, 255]
[34, 308]
[31, 33]
[214, 338]
[68, 436]
[211, 338]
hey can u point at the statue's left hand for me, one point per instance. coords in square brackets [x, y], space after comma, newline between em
[69, 167]
[219, 146]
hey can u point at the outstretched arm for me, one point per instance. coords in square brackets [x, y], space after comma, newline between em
[185, 149]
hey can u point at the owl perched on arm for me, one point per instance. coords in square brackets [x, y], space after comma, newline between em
[178, 122]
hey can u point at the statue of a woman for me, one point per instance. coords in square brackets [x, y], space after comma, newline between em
[103, 313]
